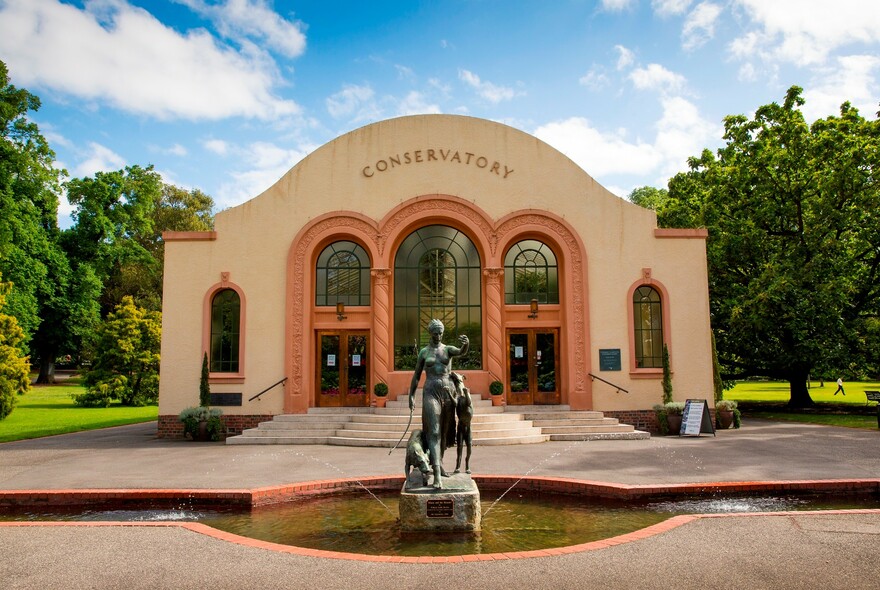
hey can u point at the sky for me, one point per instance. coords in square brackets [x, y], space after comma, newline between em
[227, 95]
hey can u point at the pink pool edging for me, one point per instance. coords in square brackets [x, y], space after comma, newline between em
[275, 494]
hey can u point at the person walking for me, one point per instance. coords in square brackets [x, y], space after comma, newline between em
[840, 386]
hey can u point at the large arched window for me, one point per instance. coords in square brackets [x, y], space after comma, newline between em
[530, 272]
[342, 275]
[225, 331]
[436, 275]
[648, 328]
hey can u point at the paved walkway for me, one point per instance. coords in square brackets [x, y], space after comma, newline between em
[817, 550]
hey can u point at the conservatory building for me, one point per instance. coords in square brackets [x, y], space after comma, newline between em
[317, 290]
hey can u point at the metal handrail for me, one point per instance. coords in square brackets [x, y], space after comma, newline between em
[267, 389]
[618, 387]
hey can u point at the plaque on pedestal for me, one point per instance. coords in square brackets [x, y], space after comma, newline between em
[454, 508]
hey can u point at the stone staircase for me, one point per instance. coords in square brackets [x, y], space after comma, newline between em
[382, 427]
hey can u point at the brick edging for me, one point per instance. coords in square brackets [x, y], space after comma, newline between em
[281, 493]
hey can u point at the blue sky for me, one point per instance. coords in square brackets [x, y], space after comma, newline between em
[227, 95]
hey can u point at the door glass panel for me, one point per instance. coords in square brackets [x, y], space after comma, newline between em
[519, 363]
[545, 361]
[330, 365]
[357, 365]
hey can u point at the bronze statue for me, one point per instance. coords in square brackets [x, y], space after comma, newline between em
[464, 411]
[438, 396]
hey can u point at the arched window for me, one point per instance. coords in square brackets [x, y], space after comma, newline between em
[648, 328]
[342, 275]
[530, 272]
[225, 331]
[437, 275]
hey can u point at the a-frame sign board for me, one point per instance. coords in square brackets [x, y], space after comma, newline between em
[695, 418]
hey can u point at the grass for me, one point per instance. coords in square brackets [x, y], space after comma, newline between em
[768, 400]
[48, 410]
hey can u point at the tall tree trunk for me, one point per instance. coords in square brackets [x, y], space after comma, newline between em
[47, 370]
[800, 395]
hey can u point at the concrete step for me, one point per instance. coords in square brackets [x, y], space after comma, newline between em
[388, 443]
[394, 435]
[575, 422]
[587, 429]
[634, 435]
[491, 425]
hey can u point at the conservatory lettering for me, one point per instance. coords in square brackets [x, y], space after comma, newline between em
[437, 155]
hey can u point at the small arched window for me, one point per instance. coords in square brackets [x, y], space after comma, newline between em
[225, 331]
[648, 327]
[342, 275]
[530, 272]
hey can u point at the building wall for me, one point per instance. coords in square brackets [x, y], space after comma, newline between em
[491, 181]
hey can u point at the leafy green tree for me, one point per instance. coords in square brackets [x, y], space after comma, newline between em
[126, 364]
[52, 301]
[14, 369]
[119, 220]
[794, 240]
[649, 197]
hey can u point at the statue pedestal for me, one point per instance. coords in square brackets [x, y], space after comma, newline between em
[455, 508]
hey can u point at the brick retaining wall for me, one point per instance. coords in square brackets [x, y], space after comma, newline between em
[171, 427]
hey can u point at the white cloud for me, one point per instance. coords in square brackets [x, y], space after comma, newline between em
[656, 77]
[217, 146]
[113, 52]
[699, 26]
[595, 79]
[253, 19]
[850, 78]
[669, 7]
[415, 103]
[680, 133]
[805, 32]
[596, 152]
[263, 164]
[625, 57]
[176, 150]
[617, 5]
[353, 101]
[486, 90]
[98, 158]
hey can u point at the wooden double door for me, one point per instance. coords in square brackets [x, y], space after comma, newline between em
[343, 369]
[533, 366]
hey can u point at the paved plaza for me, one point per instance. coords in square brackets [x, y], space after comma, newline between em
[818, 550]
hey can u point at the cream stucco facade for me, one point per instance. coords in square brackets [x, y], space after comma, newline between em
[377, 185]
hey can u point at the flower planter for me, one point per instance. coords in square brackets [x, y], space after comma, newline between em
[725, 418]
[380, 401]
[497, 400]
[674, 423]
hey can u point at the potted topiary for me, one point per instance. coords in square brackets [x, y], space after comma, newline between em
[726, 413]
[380, 390]
[496, 390]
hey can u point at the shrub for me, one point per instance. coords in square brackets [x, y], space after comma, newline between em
[496, 388]
[204, 386]
[14, 373]
[191, 417]
[126, 365]
[380, 389]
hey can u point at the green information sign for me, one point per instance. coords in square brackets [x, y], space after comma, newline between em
[609, 359]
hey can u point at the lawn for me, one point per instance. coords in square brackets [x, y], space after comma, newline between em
[49, 409]
[768, 399]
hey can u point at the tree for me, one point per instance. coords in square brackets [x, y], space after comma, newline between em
[126, 364]
[119, 220]
[649, 197]
[14, 370]
[794, 240]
